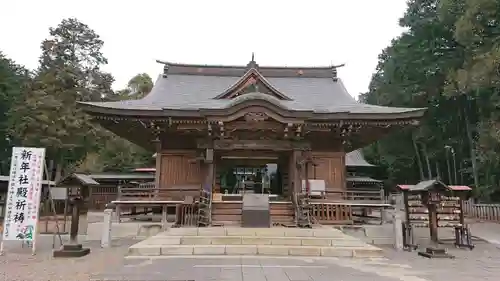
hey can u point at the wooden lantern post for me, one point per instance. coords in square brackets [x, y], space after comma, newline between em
[431, 196]
[431, 199]
[76, 196]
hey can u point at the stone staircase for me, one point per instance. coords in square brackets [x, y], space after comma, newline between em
[326, 242]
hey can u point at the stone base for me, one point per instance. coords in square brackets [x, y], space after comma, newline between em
[255, 211]
[71, 251]
[433, 253]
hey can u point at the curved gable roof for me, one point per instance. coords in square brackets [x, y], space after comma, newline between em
[251, 77]
[193, 87]
[256, 96]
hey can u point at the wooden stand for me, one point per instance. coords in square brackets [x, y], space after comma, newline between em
[434, 205]
[432, 198]
[73, 249]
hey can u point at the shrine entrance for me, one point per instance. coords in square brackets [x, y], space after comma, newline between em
[243, 172]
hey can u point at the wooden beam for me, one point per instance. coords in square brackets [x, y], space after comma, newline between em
[275, 145]
[193, 126]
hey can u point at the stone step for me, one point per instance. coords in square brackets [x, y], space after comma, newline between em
[262, 250]
[261, 232]
[255, 240]
[277, 241]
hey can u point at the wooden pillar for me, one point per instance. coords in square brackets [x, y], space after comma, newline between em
[296, 184]
[209, 172]
[461, 200]
[343, 172]
[208, 183]
[433, 223]
[75, 220]
[306, 177]
[281, 173]
[158, 159]
[291, 173]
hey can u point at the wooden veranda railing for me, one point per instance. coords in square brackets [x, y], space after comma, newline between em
[185, 198]
[102, 195]
[148, 192]
[331, 213]
[370, 196]
[340, 207]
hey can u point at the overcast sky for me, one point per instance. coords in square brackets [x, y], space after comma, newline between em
[136, 33]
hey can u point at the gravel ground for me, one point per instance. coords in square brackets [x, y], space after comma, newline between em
[18, 263]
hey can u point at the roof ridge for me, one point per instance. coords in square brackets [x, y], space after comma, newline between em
[170, 68]
[194, 65]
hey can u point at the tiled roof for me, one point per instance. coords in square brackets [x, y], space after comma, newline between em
[356, 159]
[424, 185]
[193, 87]
[362, 179]
[83, 179]
[121, 176]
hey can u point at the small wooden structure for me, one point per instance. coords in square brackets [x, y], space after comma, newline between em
[77, 195]
[57, 205]
[205, 122]
[109, 185]
[433, 204]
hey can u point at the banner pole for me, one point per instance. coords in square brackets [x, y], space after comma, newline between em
[33, 245]
[51, 202]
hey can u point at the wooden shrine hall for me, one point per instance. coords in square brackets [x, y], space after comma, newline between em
[227, 137]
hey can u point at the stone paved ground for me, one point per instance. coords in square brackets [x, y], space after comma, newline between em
[483, 263]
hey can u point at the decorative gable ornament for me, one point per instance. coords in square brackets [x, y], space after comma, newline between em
[256, 117]
[252, 81]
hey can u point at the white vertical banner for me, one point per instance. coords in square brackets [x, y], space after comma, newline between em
[23, 196]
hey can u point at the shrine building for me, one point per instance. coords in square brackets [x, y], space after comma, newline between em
[230, 130]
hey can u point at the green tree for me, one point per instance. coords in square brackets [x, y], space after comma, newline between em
[138, 87]
[478, 82]
[13, 79]
[447, 61]
[69, 71]
[412, 72]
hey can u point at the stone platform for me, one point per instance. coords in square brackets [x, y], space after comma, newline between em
[327, 242]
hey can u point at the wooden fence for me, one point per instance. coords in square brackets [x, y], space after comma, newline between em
[486, 212]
